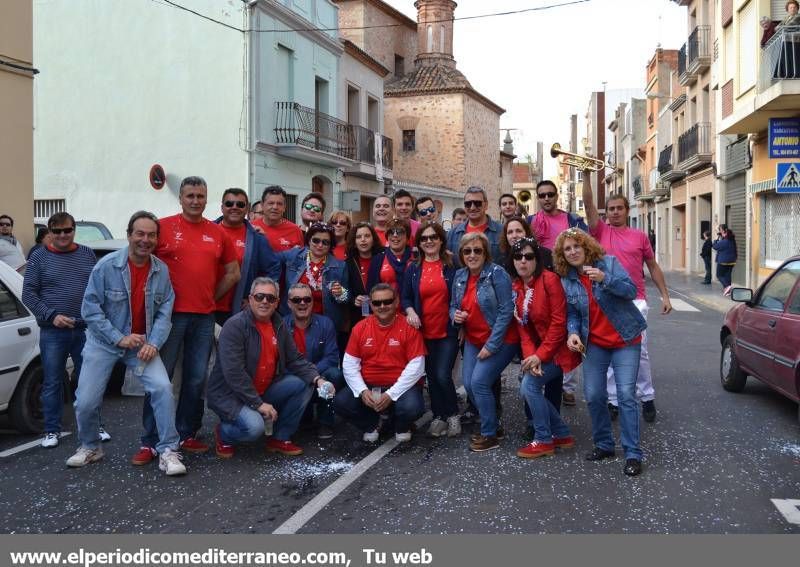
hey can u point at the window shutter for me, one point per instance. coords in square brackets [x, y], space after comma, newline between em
[748, 46]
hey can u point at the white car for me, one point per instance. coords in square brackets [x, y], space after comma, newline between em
[20, 363]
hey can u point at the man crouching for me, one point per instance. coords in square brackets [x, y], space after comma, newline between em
[259, 376]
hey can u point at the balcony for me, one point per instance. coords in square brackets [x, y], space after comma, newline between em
[683, 77]
[778, 88]
[365, 154]
[698, 50]
[695, 147]
[637, 187]
[667, 160]
[306, 134]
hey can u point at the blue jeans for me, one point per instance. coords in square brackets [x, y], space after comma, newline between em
[288, 395]
[195, 333]
[56, 345]
[406, 409]
[94, 377]
[480, 375]
[325, 407]
[724, 274]
[439, 371]
[625, 362]
[545, 419]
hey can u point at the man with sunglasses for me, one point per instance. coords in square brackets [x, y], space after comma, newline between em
[476, 204]
[550, 221]
[315, 338]
[260, 376]
[10, 248]
[202, 268]
[426, 210]
[383, 362]
[253, 253]
[312, 209]
[53, 288]
[281, 233]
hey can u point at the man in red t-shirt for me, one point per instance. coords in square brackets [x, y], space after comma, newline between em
[195, 250]
[281, 233]
[383, 362]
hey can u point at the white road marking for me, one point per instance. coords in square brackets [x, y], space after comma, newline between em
[790, 509]
[316, 504]
[681, 305]
[29, 445]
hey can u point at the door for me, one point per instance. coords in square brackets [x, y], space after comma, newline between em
[17, 338]
[787, 344]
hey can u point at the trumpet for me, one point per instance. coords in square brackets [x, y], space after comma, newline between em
[576, 160]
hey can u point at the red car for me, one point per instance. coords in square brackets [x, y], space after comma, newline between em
[761, 336]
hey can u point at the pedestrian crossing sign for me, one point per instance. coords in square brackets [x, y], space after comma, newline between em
[787, 178]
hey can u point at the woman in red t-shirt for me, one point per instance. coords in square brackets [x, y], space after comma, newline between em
[425, 300]
[341, 223]
[604, 324]
[540, 310]
[364, 256]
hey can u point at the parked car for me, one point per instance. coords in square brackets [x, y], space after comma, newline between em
[85, 231]
[20, 363]
[761, 336]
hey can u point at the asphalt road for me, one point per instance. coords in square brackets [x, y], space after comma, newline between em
[713, 462]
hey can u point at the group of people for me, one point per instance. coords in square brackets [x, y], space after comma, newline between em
[332, 319]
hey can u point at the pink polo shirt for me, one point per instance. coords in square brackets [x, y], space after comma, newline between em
[630, 246]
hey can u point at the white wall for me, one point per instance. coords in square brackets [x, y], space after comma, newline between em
[369, 84]
[124, 85]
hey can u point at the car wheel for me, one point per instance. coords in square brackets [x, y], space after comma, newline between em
[732, 377]
[25, 409]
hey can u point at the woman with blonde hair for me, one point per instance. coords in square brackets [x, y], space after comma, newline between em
[341, 223]
[605, 326]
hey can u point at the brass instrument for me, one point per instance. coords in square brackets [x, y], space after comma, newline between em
[576, 160]
[524, 196]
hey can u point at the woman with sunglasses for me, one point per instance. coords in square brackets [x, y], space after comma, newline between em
[340, 221]
[425, 301]
[605, 325]
[482, 304]
[315, 266]
[540, 310]
[397, 254]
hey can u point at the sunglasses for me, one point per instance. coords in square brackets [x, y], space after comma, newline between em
[237, 204]
[58, 231]
[340, 222]
[318, 241]
[310, 207]
[426, 212]
[473, 204]
[262, 297]
[428, 238]
[6, 224]
[546, 195]
[395, 232]
[299, 300]
[529, 256]
[473, 251]
[381, 302]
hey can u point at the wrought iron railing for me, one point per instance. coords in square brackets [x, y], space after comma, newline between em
[698, 45]
[682, 60]
[365, 147]
[695, 141]
[297, 124]
[780, 58]
[665, 160]
[637, 186]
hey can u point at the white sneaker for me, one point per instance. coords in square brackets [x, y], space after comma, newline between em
[437, 428]
[453, 426]
[403, 437]
[371, 436]
[104, 435]
[50, 440]
[170, 463]
[84, 457]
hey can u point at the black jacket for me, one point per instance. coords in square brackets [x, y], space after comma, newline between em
[706, 251]
[231, 383]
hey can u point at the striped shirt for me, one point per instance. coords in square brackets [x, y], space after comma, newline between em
[56, 281]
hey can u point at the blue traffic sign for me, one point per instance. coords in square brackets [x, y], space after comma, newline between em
[787, 178]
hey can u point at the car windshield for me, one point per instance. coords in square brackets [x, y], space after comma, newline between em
[88, 233]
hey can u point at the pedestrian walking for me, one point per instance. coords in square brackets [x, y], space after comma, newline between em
[725, 246]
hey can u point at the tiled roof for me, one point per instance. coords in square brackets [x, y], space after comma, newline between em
[522, 173]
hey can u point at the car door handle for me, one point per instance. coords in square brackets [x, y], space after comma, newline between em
[772, 323]
[22, 331]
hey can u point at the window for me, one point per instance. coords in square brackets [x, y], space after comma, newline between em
[730, 54]
[43, 209]
[794, 306]
[10, 306]
[291, 208]
[409, 140]
[441, 39]
[775, 293]
[781, 227]
[748, 46]
[430, 39]
[399, 66]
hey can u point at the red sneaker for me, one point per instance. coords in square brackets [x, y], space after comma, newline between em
[143, 456]
[192, 445]
[283, 447]
[567, 442]
[224, 451]
[536, 449]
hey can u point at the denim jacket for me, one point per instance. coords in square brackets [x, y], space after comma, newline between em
[614, 295]
[107, 305]
[495, 300]
[409, 296]
[492, 233]
[334, 270]
[321, 347]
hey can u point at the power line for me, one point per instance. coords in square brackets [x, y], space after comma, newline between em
[382, 26]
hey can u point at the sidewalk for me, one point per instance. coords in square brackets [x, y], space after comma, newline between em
[688, 285]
